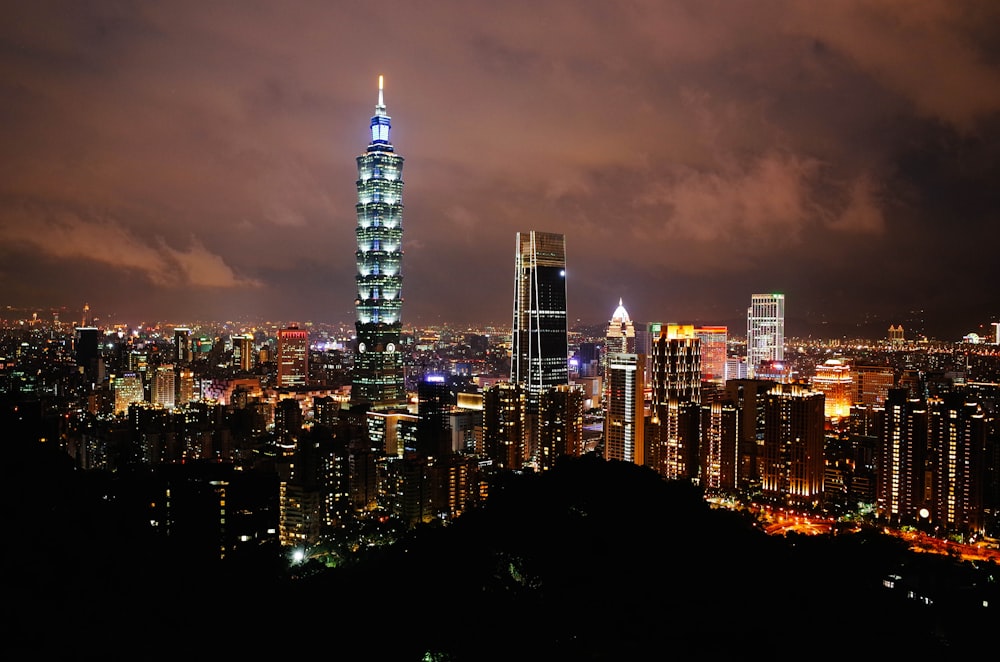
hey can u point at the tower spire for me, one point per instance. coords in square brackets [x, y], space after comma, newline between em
[381, 122]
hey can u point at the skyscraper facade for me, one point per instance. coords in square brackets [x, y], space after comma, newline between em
[676, 364]
[872, 384]
[713, 351]
[504, 423]
[623, 418]
[765, 330]
[243, 352]
[672, 437]
[956, 440]
[748, 396]
[182, 344]
[621, 332]
[293, 357]
[619, 339]
[793, 445]
[560, 424]
[835, 379]
[162, 386]
[87, 348]
[718, 452]
[901, 479]
[539, 345]
[377, 377]
[127, 389]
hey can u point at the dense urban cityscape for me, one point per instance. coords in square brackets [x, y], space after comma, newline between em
[271, 453]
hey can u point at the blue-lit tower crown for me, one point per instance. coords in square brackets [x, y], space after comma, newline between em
[378, 365]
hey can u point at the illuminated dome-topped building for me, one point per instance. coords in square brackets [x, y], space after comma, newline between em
[621, 332]
[378, 366]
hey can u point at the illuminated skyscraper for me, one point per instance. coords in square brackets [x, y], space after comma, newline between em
[185, 386]
[163, 386]
[901, 479]
[378, 365]
[765, 330]
[127, 389]
[718, 452]
[748, 397]
[623, 418]
[675, 415]
[504, 424]
[713, 351]
[182, 344]
[293, 357]
[243, 352]
[676, 364]
[539, 349]
[956, 441]
[835, 380]
[872, 384]
[621, 332]
[793, 445]
[620, 339]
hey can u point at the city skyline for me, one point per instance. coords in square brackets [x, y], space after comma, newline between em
[191, 164]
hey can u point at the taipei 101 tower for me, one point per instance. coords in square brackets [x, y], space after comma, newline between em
[378, 365]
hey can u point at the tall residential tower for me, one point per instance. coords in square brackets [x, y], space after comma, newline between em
[378, 365]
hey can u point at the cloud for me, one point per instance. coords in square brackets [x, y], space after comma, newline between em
[863, 213]
[70, 237]
[924, 50]
[765, 201]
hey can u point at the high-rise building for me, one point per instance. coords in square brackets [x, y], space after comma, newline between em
[675, 416]
[163, 386]
[748, 397]
[956, 440]
[676, 364]
[713, 351]
[619, 339]
[377, 377]
[765, 330]
[835, 379]
[185, 386]
[87, 350]
[793, 466]
[504, 424]
[433, 409]
[902, 455]
[560, 424]
[623, 415]
[243, 352]
[872, 384]
[539, 344]
[621, 332]
[182, 344]
[718, 452]
[293, 357]
[128, 389]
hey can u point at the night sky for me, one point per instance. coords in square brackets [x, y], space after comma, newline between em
[168, 161]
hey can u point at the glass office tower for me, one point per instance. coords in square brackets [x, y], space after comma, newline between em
[378, 366]
[539, 347]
